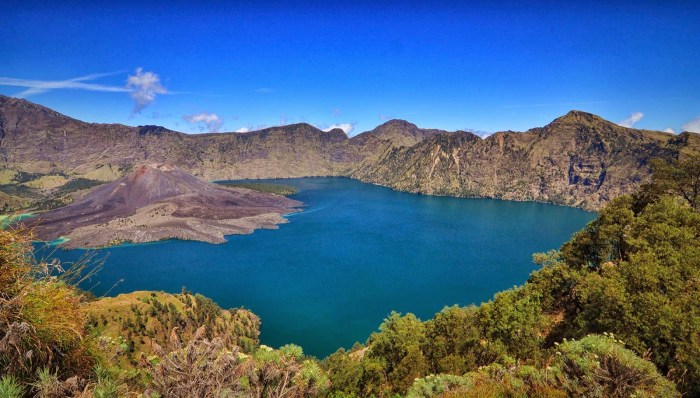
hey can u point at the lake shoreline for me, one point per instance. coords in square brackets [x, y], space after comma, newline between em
[353, 254]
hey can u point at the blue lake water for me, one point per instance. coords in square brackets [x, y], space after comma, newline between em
[331, 275]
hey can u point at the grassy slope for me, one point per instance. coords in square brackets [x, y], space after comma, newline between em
[42, 191]
[137, 320]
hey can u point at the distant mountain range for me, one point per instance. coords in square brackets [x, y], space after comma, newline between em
[579, 159]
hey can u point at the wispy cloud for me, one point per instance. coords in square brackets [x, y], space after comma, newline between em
[346, 127]
[669, 130]
[631, 120]
[205, 121]
[337, 112]
[384, 117]
[34, 87]
[693, 126]
[264, 90]
[242, 130]
[144, 87]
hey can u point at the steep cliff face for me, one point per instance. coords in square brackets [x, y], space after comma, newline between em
[579, 159]
[371, 146]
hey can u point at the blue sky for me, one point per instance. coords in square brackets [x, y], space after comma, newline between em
[486, 66]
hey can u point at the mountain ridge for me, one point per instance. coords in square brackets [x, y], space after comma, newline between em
[579, 159]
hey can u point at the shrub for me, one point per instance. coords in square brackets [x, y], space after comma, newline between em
[284, 373]
[599, 366]
[437, 385]
[202, 368]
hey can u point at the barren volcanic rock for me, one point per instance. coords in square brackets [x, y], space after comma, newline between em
[160, 201]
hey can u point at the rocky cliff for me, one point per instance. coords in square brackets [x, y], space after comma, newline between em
[579, 160]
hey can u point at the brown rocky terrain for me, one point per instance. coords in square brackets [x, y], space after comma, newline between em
[39, 140]
[579, 159]
[157, 202]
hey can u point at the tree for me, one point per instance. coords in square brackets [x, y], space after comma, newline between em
[398, 347]
[678, 177]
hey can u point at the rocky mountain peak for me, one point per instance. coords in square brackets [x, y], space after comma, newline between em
[397, 123]
[580, 117]
[153, 130]
[398, 132]
[22, 110]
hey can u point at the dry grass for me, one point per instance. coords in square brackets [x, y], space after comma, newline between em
[103, 173]
[41, 323]
[47, 182]
[7, 176]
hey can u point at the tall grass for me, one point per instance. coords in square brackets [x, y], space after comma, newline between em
[41, 324]
[10, 387]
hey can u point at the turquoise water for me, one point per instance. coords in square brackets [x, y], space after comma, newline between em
[6, 220]
[328, 277]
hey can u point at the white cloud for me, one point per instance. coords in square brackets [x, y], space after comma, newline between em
[34, 87]
[631, 120]
[264, 90]
[337, 112]
[384, 117]
[144, 87]
[693, 126]
[669, 130]
[210, 122]
[346, 127]
[480, 133]
[250, 127]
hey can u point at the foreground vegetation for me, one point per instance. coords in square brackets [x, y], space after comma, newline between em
[614, 313]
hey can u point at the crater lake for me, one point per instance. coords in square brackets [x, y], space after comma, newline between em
[355, 252]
